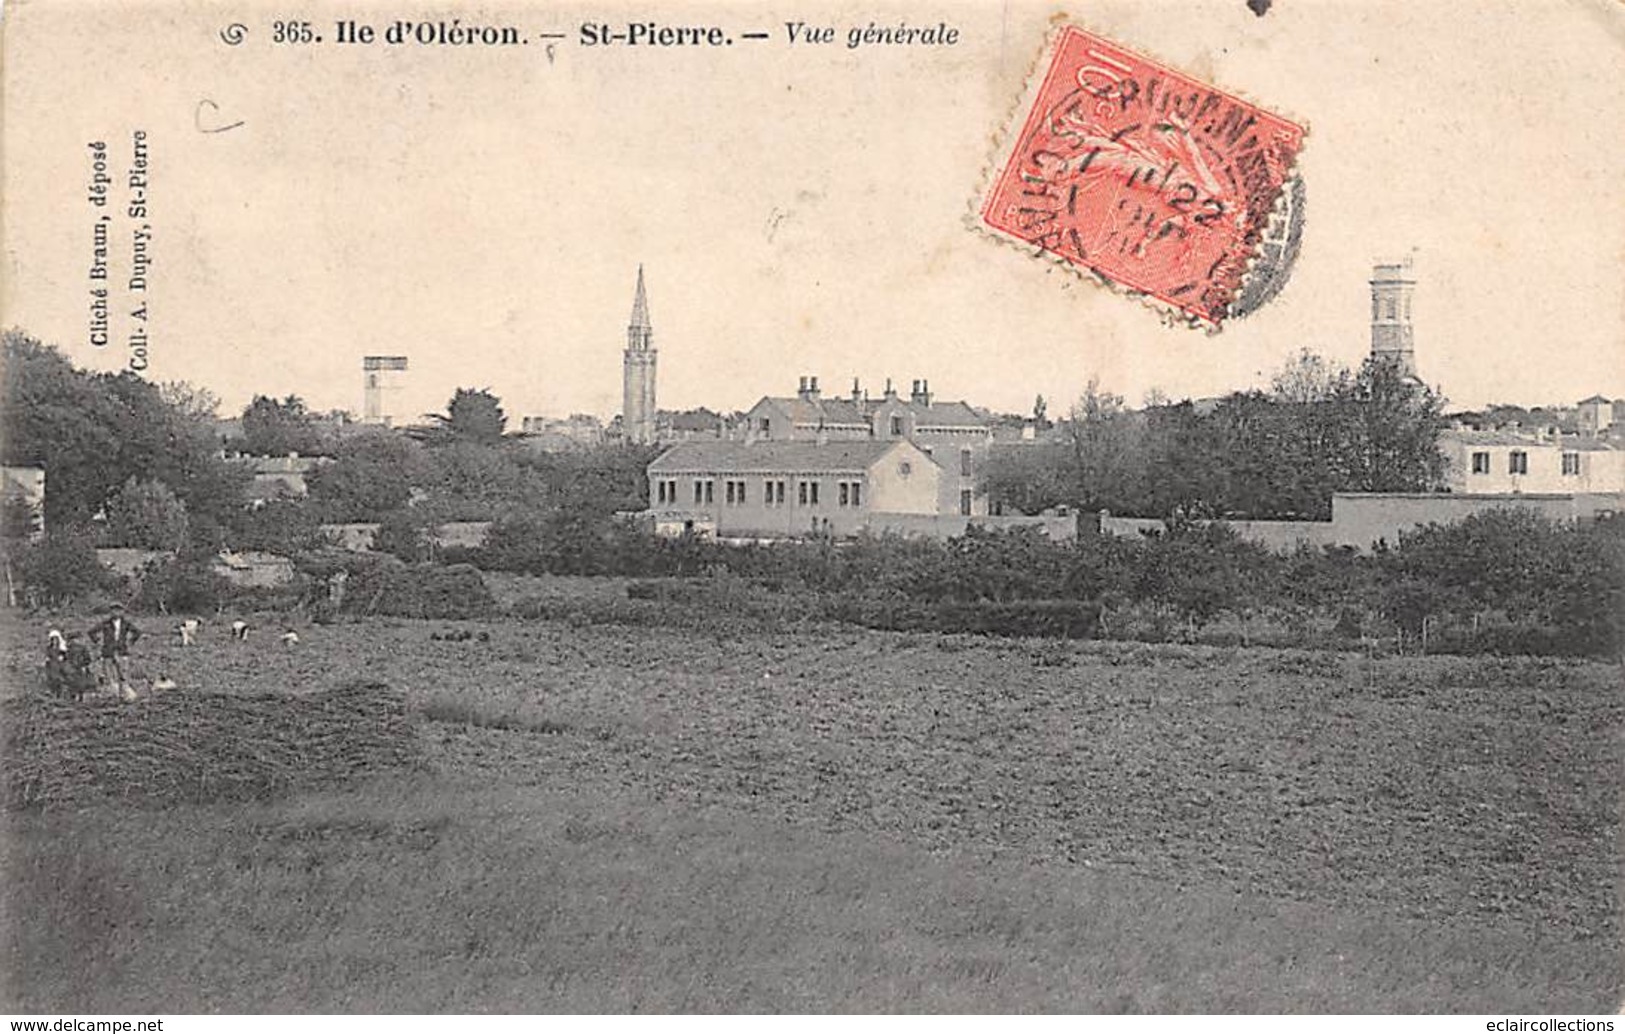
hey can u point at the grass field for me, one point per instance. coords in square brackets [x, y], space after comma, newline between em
[662, 819]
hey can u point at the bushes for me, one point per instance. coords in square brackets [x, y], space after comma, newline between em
[1058, 619]
[182, 584]
[380, 584]
[58, 569]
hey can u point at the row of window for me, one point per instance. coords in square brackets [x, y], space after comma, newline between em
[737, 493]
[1518, 463]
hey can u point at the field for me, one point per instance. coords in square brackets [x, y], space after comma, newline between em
[657, 819]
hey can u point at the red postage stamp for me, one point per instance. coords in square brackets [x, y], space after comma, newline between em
[1142, 175]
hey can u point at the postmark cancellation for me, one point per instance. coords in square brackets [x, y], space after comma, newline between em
[1145, 177]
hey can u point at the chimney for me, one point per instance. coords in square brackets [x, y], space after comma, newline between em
[812, 387]
[920, 393]
[891, 393]
[857, 392]
[805, 390]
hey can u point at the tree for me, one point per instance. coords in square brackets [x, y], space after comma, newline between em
[372, 475]
[190, 400]
[1388, 432]
[93, 432]
[273, 428]
[1041, 413]
[469, 481]
[1030, 477]
[1109, 461]
[474, 416]
[1306, 378]
[58, 569]
[147, 515]
[404, 533]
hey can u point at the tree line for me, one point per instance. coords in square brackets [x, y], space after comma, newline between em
[134, 464]
[1264, 455]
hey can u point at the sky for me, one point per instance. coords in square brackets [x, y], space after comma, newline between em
[798, 209]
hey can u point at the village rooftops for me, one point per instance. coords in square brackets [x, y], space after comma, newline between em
[841, 413]
[836, 457]
[1518, 439]
[834, 412]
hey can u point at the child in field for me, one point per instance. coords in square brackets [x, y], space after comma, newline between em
[77, 677]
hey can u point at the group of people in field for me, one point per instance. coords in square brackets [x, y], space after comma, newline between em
[68, 657]
[71, 668]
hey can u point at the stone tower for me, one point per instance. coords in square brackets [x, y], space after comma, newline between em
[638, 373]
[380, 382]
[1391, 337]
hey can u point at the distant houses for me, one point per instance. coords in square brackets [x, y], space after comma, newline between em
[279, 477]
[781, 488]
[807, 465]
[1509, 461]
[955, 435]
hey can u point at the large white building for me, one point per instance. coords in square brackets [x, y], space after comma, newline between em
[1509, 461]
[954, 434]
[783, 489]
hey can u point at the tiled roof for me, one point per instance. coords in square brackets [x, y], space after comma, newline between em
[1513, 439]
[842, 411]
[947, 414]
[720, 457]
[826, 411]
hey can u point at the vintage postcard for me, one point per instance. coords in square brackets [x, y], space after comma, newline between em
[812, 508]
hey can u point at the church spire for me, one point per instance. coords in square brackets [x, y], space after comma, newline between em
[638, 411]
[640, 305]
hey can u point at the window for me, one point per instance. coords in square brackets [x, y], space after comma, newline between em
[710, 494]
[905, 468]
[857, 493]
[660, 491]
[1481, 463]
[897, 425]
[1571, 464]
[801, 493]
[766, 425]
[666, 492]
[843, 494]
[728, 493]
[699, 492]
[1517, 462]
[964, 502]
[739, 491]
[814, 485]
[964, 463]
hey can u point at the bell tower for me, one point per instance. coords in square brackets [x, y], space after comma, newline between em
[1391, 334]
[638, 373]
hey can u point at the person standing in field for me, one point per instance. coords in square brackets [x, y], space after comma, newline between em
[80, 680]
[115, 635]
